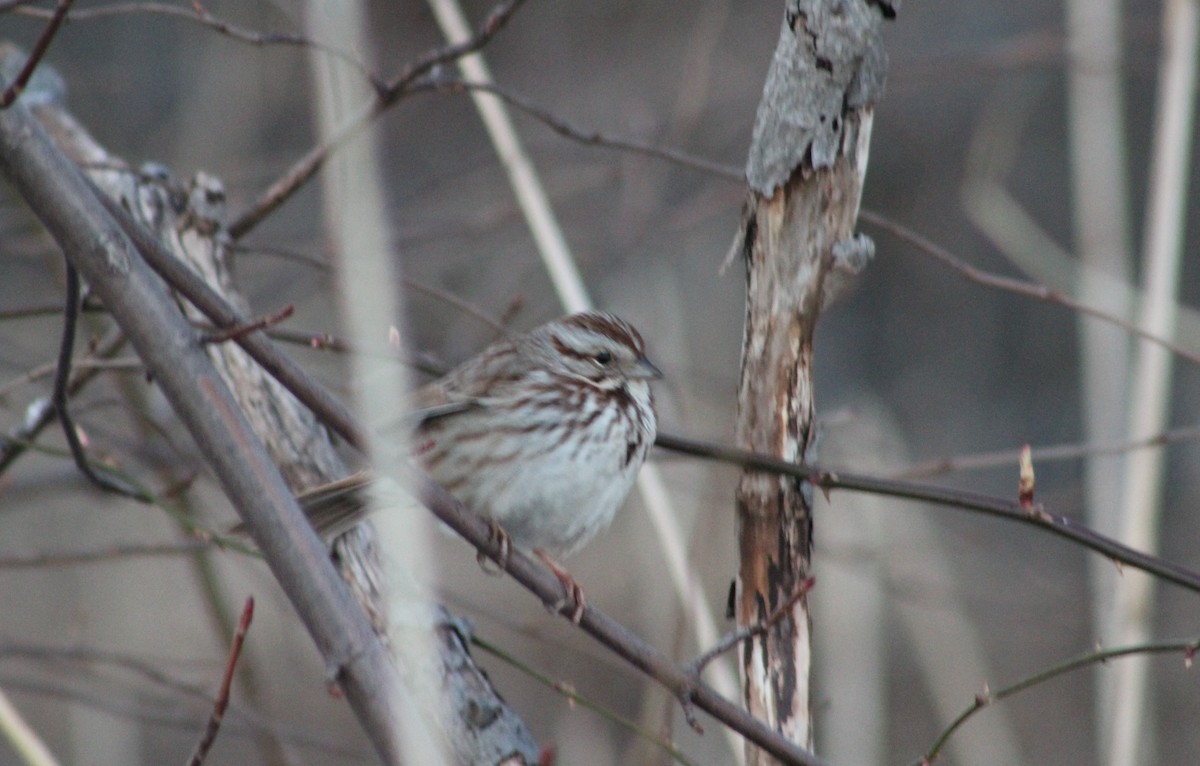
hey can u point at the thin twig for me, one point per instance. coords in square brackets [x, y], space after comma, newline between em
[41, 413]
[200, 15]
[9, 5]
[299, 174]
[971, 501]
[101, 555]
[1187, 647]
[160, 711]
[386, 95]
[735, 637]
[317, 262]
[92, 658]
[61, 377]
[1049, 453]
[422, 361]
[448, 84]
[226, 334]
[464, 306]
[186, 521]
[17, 86]
[1017, 286]
[87, 660]
[125, 364]
[318, 341]
[575, 698]
[29, 312]
[222, 700]
[210, 303]
[523, 177]
[495, 21]
[541, 582]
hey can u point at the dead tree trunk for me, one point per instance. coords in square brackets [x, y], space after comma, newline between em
[806, 168]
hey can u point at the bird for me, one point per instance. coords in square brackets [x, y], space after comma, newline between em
[542, 434]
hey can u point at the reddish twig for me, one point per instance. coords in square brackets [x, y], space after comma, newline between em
[318, 341]
[322, 341]
[222, 700]
[226, 334]
[17, 86]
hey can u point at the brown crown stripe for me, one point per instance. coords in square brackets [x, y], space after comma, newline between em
[607, 324]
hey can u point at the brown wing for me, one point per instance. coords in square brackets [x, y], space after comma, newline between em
[332, 508]
[467, 385]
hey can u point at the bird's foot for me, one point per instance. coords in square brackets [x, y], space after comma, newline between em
[572, 591]
[499, 537]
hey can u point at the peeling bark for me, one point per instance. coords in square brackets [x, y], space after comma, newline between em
[806, 169]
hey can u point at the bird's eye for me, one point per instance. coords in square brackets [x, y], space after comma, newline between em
[603, 358]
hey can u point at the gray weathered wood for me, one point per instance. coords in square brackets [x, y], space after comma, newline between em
[806, 169]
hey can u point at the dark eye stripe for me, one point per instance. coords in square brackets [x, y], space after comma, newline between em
[566, 350]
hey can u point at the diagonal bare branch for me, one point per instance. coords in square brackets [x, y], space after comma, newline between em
[1011, 510]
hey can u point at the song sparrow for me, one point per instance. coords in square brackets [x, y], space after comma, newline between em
[542, 434]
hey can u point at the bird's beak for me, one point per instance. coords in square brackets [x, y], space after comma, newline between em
[643, 370]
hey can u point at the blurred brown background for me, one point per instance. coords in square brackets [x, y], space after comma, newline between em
[915, 364]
